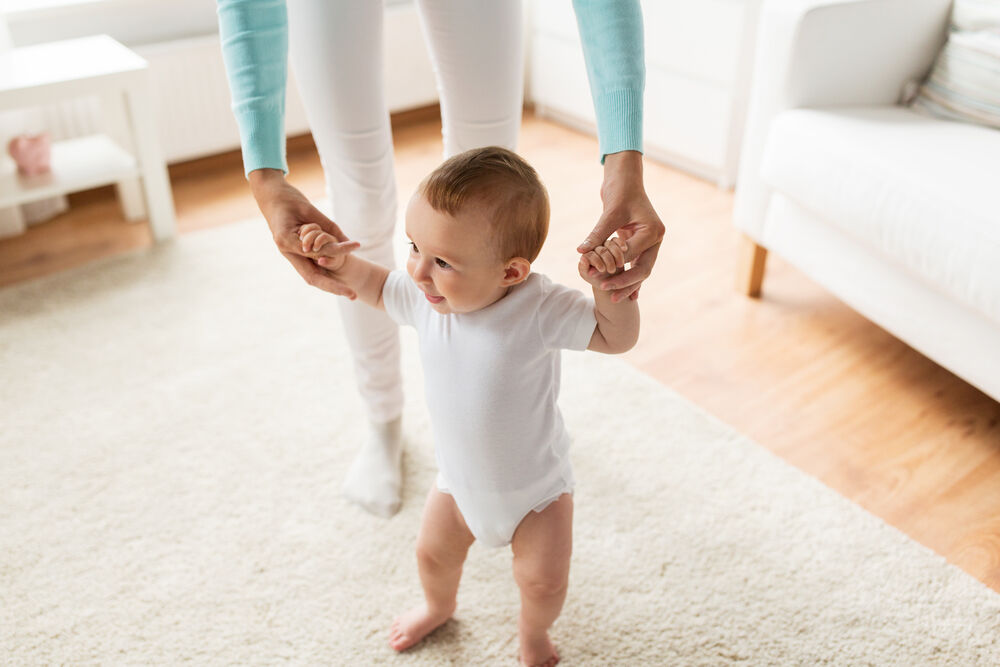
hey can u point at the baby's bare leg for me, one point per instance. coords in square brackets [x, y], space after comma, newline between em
[442, 545]
[542, 545]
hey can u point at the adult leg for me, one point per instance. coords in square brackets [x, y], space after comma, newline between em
[542, 546]
[476, 47]
[442, 546]
[336, 52]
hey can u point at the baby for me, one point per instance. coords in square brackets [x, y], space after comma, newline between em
[490, 332]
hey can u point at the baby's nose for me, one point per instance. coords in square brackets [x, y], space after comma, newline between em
[422, 271]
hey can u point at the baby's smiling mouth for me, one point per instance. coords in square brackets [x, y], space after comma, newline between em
[434, 299]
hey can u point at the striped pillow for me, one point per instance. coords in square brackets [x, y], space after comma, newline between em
[964, 83]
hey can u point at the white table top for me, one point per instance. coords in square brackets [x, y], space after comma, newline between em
[71, 60]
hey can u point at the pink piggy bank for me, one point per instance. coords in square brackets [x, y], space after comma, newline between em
[31, 153]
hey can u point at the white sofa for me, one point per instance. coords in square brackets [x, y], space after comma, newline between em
[895, 213]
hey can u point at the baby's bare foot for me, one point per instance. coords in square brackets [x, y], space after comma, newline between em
[412, 626]
[538, 651]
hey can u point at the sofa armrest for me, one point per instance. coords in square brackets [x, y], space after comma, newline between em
[821, 53]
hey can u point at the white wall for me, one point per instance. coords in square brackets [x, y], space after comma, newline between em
[179, 39]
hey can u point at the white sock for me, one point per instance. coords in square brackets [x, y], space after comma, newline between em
[375, 477]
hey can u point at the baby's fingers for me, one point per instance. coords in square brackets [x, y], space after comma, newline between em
[322, 240]
[308, 237]
[595, 264]
[617, 247]
[331, 249]
[308, 229]
[606, 261]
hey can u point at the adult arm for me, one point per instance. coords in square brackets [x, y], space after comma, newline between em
[254, 36]
[612, 35]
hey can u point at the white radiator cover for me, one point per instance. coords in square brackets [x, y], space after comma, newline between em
[191, 93]
[191, 97]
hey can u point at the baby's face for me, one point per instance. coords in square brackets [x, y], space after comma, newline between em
[451, 259]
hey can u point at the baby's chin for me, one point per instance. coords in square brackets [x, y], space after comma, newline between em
[448, 308]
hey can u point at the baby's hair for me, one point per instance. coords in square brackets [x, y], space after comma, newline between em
[516, 200]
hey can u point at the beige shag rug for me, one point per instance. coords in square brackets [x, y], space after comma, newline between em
[175, 427]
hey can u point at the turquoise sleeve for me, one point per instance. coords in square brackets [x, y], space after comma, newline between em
[612, 36]
[254, 35]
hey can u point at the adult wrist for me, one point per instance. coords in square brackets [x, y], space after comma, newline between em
[263, 183]
[261, 179]
[623, 162]
[623, 171]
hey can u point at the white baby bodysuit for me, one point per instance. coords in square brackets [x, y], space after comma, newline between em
[492, 382]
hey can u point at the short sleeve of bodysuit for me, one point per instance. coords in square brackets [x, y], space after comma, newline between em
[565, 317]
[401, 298]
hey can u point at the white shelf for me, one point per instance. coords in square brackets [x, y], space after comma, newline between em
[77, 164]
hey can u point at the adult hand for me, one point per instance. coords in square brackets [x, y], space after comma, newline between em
[627, 210]
[286, 210]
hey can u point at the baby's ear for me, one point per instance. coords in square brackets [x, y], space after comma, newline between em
[515, 271]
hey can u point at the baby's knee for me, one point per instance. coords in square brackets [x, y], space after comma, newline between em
[436, 556]
[542, 584]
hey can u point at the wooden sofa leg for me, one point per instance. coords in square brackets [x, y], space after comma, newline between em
[751, 269]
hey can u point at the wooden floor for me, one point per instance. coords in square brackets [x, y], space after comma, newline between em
[797, 371]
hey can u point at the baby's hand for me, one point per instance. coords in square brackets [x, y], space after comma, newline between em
[332, 254]
[603, 261]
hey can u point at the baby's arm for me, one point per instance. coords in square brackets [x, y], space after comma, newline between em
[617, 322]
[363, 278]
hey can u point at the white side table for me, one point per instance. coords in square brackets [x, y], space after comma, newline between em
[128, 155]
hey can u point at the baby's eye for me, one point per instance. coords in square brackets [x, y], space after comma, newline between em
[443, 264]
[413, 248]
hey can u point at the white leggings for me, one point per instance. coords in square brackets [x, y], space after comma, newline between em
[336, 52]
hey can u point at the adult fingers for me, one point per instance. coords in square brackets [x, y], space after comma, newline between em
[640, 237]
[318, 277]
[607, 224]
[641, 268]
[313, 215]
[302, 219]
[630, 292]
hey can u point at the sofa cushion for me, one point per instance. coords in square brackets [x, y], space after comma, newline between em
[922, 191]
